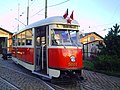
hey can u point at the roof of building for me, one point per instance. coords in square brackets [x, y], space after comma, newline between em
[86, 34]
[94, 42]
[6, 31]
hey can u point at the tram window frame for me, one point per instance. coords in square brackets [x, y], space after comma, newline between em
[40, 36]
[14, 41]
[19, 39]
[28, 40]
[23, 35]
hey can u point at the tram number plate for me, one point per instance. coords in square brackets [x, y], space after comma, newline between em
[72, 64]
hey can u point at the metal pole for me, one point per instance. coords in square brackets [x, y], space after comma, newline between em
[28, 13]
[87, 46]
[45, 8]
[18, 14]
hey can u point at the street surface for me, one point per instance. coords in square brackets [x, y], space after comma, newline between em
[22, 79]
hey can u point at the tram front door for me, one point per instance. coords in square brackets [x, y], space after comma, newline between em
[41, 62]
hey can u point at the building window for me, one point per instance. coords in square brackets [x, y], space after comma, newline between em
[92, 38]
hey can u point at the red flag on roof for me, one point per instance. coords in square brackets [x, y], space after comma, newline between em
[69, 20]
[71, 16]
[66, 14]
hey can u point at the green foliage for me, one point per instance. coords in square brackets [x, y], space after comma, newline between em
[106, 62]
[112, 42]
[109, 58]
[88, 65]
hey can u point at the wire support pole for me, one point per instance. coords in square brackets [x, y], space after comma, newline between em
[28, 13]
[45, 8]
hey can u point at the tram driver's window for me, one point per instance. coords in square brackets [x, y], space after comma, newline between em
[53, 39]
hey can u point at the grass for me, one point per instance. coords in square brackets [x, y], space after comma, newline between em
[90, 66]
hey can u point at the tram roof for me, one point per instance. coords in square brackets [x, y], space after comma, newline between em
[51, 20]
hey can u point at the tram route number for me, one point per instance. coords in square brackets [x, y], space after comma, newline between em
[72, 64]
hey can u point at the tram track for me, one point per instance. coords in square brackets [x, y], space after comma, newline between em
[67, 84]
[27, 73]
[48, 84]
[86, 84]
[56, 87]
[9, 85]
[51, 86]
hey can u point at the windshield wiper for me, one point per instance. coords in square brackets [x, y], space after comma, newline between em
[62, 43]
[72, 40]
[75, 43]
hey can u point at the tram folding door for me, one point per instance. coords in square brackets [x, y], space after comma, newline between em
[41, 61]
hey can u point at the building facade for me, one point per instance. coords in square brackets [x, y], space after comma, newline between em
[89, 40]
[5, 40]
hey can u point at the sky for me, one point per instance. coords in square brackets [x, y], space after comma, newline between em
[92, 15]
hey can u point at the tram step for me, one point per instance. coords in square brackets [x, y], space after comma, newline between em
[41, 74]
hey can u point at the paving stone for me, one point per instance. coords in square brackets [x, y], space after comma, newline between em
[22, 81]
[94, 81]
[100, 81]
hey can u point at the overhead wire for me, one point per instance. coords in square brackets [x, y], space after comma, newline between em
[59, 3]
[33, 1]
[115, 11]
[50, 6]
[104, 27]
[47, 6]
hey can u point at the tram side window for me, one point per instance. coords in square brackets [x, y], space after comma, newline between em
[13, 40]
[29, 37]
[19, 39]
[23, 38]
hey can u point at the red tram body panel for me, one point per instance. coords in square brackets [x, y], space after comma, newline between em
[24, 54]
[59, 58]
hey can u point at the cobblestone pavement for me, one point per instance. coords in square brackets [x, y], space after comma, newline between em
[98, 81]
[93, 80]
[6, 86]
[20, 80]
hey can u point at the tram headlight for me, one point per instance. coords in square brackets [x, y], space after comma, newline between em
[72, 58]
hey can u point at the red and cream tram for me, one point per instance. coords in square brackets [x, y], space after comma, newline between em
[49, 48]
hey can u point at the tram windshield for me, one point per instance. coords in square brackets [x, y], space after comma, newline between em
[65, 37]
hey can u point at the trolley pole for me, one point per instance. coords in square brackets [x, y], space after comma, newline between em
[18, 14]
[45, 8]
[28, 13]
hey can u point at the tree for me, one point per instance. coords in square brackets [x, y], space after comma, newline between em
[112, 41]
